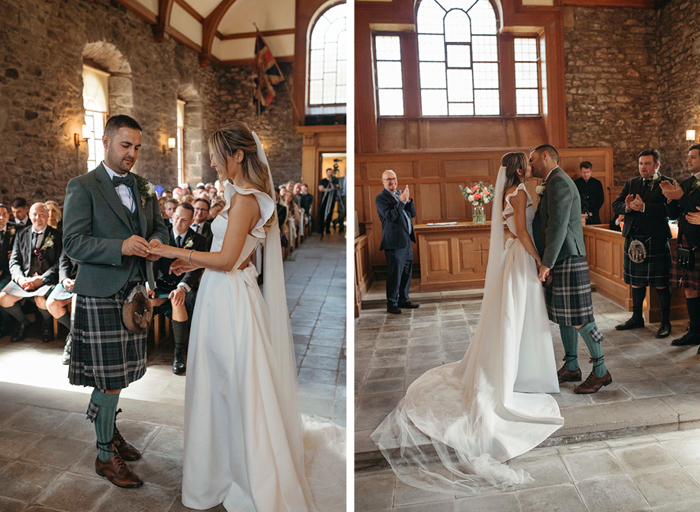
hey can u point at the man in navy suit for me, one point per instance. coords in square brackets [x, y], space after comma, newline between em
[396, 209]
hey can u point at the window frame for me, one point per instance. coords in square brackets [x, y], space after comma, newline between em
[538, 48]
[94, 141]
[376, 72]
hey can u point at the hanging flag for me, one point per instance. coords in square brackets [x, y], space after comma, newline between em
[267, 74]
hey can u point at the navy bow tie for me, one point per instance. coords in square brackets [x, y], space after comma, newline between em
[127, 180]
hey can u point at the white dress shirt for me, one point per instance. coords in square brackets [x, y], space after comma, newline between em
[124, 192]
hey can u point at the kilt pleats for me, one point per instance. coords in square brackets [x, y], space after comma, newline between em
[569, 299]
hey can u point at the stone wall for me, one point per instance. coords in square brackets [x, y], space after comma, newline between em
[612, 83]
[42, 47]
[678, 80]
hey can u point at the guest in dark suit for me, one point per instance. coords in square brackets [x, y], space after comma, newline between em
[330, 188]
[7, 238]
[61, 296]
[306, 202]
[591, 192]
[201, 224]
[396, 209]
[20, 213]
[34, 270]
[643, 204]
[684, 204]
[174, 295]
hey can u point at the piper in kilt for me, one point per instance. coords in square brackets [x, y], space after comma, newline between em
[683, 203]
[643, 204]
[558, 236]
[34, 270]
[111, 218]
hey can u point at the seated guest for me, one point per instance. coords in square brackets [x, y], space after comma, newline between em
[174, 295]
[170, 206]
[292, 208]
[591, 192]
[55, 215]
[161, 205]
[61, 296]
[7, 237]
[34, 270]
[200, 224]
[20, 213]
[215, 210]
[306, 200]
[178, 193]
[188, 198]
[167, 193]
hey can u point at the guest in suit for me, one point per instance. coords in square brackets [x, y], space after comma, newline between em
[20, 213]
[201, 224]
[643, 204]
[61, 296]
[329, 186]
[174, 295]
[306, 201]
[396, 209]
[7, 238]
[34, 270]
[591, 192]
[683, 203]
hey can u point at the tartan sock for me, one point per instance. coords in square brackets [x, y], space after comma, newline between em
[104, 423]
[595, 348]
[694, 315]
[17, 313]
[570, 340]
[638, 295]
[664, 297]
[64, 320]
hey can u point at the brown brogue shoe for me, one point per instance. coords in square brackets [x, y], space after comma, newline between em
[127, 451]
[593, 383]
[117, 472]
[566, 375]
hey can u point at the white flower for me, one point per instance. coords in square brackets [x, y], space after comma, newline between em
[486, 200]
[540, 189]
[151, 189]
[188, 244]
[470, 198]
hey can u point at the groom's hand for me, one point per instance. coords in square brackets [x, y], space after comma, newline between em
[135, 246]
[543, 273]
[154, 243]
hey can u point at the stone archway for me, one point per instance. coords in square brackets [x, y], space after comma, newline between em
[106, 56]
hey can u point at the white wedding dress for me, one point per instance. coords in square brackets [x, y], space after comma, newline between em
[472, 416]
[245, 443]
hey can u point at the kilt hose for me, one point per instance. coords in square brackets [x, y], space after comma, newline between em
[568, 298]
[105, 354]
[686, 278]
[655, 270]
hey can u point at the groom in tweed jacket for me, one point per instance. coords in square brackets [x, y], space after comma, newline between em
[558, 234]
[111, 219]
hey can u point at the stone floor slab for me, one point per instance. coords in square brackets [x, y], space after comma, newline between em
[612, 494]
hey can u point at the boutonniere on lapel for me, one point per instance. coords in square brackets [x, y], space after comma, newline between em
[539, 189]
[655, 179]
[48, 244]
[12, 231]
[188, 243]
[146, 189]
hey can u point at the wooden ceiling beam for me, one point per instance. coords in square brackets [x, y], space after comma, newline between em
[209, 27]
[165, 9]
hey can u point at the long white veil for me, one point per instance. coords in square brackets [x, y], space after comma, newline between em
[316, 446]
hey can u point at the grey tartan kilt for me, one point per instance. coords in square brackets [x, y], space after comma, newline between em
[105, 354]
[569, 299]
[655, 270]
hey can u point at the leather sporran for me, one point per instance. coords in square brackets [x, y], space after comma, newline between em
[137, 311]
[686, 257]
[637, 251]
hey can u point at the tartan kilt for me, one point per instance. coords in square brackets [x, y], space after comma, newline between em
[686, 278]
[655, 270]
[105, 354]
[569, 299]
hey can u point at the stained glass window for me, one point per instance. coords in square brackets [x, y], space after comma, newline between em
[327, 59]
[458, 58]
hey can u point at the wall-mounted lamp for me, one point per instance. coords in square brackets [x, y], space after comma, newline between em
[85, 137]
[171, 145]
[690, 135]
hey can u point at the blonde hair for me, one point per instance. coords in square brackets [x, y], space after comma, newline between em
[227, 141]
[53, 205]
[513, 162]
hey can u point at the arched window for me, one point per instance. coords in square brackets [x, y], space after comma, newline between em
[458, 58]
[95, 101]
[328, 62]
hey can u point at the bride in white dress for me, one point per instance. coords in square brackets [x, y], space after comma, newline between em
[472, 416]
[246, 446]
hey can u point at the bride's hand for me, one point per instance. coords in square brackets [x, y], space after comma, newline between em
[179, 267]
[161, 251]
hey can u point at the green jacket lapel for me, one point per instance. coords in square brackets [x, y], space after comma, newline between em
[139, 208]
[106, 188]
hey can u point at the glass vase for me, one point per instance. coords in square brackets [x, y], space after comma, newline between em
[478, 214]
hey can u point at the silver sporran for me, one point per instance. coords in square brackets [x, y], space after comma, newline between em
[637, 251]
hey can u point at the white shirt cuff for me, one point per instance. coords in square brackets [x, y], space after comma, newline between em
[185, 286]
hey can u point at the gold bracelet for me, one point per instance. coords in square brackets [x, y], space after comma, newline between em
[189, 257]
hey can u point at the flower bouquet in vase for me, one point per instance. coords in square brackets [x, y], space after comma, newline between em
[478, 196]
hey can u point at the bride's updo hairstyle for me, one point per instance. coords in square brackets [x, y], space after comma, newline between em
[229, 139]
[513, 162]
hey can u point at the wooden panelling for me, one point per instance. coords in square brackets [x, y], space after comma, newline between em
[439, 257]
[474, 167]
[403, 170]
[429, 195]
[363, 273]
[429, 169]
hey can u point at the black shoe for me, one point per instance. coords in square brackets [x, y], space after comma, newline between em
[664, 330]
[632, 323]
[20, 331]
[408, 305]
[179, 366]
[67, 349]
[686, 339]
[393, 309]
[328, 231]
[47, 332]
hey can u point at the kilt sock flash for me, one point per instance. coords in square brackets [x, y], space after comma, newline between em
[104, 423]
[569, 338]
[595, 347]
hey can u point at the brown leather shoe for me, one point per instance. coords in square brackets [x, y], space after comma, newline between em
[126, 451]
[117, 472]
[566, 375]
[593, 383]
